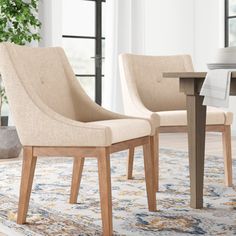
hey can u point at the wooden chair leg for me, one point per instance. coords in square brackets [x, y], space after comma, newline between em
[28, 168]
[226, 138]
[76, 178]
[104, 173]
[130, 163]
[155, 152]
[150, 176]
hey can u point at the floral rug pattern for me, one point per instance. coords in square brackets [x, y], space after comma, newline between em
[51, 214]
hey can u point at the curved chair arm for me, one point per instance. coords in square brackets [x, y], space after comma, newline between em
[133, 104]
[94, 112]
[40, 125]
[71, 132]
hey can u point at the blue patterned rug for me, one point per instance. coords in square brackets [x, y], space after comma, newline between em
[51, 214]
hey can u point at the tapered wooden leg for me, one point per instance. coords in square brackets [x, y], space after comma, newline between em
[226, 138]
[196, 114]
[28, 168]
[150, 176]
[155, 152]
[104, 173]
[76, 178]
[130, 163]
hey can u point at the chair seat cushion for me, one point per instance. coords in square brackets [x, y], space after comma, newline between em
[215, 116]
[126, 129]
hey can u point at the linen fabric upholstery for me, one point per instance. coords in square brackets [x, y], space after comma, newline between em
[146, 91]
[49, 106]
[123, 128]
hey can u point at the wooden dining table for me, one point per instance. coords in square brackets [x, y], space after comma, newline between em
[190, 83]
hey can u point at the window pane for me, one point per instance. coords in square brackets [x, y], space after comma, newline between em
[79, 52]
[232, 32]
[88, 84]
[103, 57]
[103, 48]
[78, 17]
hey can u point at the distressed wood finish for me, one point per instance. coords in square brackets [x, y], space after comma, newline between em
[87, 151]
[154, 143]
[67, 151]
[190, 75]
[80, 153]
[194, 80]
[155, 152]
[130, 163]
[190, 84]
[184, 129]
[128, 144]
[28, 168]
[226, 138]
[76, 178]
[104, 174]
[149, 163]
[196, 140]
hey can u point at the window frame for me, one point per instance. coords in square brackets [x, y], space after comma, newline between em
[98, 50]
[227, 18]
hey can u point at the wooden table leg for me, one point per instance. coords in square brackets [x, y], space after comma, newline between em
[196, 114]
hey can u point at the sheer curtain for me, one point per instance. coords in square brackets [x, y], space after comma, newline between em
[125, 31]
[50, 15]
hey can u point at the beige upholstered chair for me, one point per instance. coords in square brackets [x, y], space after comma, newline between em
[55, 117]
[145, 91]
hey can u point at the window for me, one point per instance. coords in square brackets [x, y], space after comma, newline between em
[84, 42]
[230, 23]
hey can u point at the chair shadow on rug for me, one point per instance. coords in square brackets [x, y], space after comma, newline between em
[55, 117]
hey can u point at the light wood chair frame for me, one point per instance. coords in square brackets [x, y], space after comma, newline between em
[225, 130]
[30, 154]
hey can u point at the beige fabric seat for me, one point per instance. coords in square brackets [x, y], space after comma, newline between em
[55, 117]
[145, 91]
[179, 117]
[125, 129]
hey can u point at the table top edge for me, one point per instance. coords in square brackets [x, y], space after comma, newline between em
[189, 75]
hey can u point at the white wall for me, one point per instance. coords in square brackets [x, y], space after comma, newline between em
[50, 15]
[169, 27]
[208, 31]
[195, 27]
[138, 26]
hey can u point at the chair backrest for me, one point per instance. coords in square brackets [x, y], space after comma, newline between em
[156, 93]
[42, 71]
